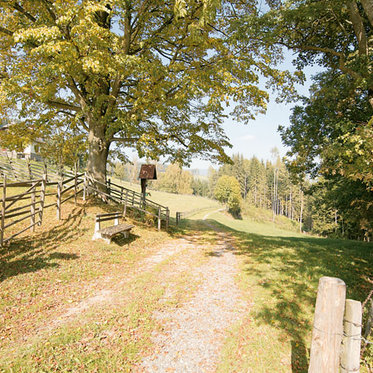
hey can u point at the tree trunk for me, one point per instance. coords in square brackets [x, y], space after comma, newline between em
[97, 158]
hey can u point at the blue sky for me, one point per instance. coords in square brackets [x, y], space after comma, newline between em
[260, 136]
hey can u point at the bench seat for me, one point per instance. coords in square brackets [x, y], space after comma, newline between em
[108, 233]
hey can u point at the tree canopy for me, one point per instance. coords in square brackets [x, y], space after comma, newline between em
[227, 191]
[332, 131]
[149, 75]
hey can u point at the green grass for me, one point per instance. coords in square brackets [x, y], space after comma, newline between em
[175, 202]
[279, 274]
[261, 215]
[45, 273]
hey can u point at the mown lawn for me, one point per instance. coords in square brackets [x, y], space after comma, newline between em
[53, 270]
[175, 202]
[72, 304]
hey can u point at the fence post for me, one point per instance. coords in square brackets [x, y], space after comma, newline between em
[328, 326]
[29, 169]
[350, 356]
[167, 218]
[46, 172]
[75, 183]
[33, 208]
[3, 206]
[125, 205]
[42, 198]
[59, 187]
[109, 187]
[85, 186]
[177, 218]
[159, 218]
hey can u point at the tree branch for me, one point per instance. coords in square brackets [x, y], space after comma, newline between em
[18, 7]
[358, 26]
[48, 6]
[63, 105]
[6, 31]
[342, 65]
[125, 139]
[368, 7]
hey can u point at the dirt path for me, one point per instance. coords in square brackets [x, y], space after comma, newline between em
[111, 285]
[195, 332]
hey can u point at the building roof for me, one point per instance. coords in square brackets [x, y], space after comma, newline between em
[148, 171]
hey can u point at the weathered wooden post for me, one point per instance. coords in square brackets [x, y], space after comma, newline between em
[46, 171]
[177, 218]
[350, 356]
[167, 218]
[42, 197]
[159, 218]
[29, 169]
[125, 204]
[3, 207]
[59, 188]
[328, 326]
[33, 195]
[75, 183]
[109, 187]
[85, 186]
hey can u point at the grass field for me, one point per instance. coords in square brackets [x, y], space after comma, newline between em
[279, 273]
[175, 202]
[58, 268]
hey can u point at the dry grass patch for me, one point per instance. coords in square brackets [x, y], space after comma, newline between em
[73, 304]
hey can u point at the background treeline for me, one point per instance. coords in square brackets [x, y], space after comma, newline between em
[334, 207]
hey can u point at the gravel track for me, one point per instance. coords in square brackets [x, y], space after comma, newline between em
[194, 333]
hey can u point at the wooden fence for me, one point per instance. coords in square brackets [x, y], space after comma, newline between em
[185, 214]
[26, 169]
[33, 202]
[65, 189]
[336, 335]
[129, 198]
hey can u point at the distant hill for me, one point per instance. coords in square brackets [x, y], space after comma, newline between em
[199, 172]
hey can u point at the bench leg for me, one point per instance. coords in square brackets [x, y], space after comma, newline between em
[107, 240]
[97, 236]
[126, 234]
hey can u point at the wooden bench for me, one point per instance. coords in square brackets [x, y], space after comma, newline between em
[108, 233]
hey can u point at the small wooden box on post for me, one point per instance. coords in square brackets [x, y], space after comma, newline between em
[147, 172]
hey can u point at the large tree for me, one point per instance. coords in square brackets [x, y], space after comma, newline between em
[335, 34]
[149, 75]
[332, 132]
[335, 124]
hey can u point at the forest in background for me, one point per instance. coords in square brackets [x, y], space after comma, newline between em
[332, 207]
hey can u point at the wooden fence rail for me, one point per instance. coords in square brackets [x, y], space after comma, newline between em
[336, 334]
[65, 189]
[26, 211]
[129, 198]
[35, 193]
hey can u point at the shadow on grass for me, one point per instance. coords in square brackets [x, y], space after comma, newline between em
[122, 241]
[288, 270]
[32, 253]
